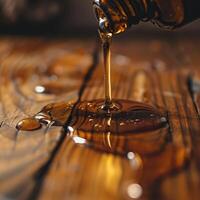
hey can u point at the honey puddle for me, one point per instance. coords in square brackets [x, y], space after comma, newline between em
[129, 117]
[141, 136]
[135, 131]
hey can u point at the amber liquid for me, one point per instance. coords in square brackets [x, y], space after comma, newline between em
[135, 131]
[113, 116]
[106, 41]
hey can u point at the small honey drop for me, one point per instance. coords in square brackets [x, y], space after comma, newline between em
[54, 113]
[28, 124]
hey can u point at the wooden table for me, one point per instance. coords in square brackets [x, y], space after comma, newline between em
[46, 164]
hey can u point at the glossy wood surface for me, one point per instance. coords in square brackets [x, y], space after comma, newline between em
[47, 164]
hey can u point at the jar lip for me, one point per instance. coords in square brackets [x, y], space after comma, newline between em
[102, 12]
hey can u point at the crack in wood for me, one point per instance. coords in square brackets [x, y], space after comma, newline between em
[40, 175]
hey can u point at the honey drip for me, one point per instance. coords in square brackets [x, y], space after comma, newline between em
[113, 116]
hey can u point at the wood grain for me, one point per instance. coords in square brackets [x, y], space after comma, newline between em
[45, 165]
[24, 65]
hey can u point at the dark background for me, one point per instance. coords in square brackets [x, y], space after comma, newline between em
[64, 17]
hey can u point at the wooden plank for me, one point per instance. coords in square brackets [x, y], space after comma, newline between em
[110, 176]
[25, 64]
[47, 164]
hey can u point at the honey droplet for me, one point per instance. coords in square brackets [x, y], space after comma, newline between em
[28, 124]
[55, 114]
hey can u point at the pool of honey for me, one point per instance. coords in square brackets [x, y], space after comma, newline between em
[136, 132]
